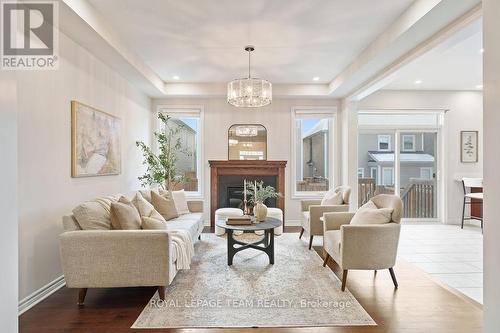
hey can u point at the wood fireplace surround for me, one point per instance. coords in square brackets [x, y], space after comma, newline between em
[245, 168]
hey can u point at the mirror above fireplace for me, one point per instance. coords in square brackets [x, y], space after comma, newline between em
[247, 142]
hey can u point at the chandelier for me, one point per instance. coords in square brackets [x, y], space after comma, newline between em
[247, 131]
[249, 92]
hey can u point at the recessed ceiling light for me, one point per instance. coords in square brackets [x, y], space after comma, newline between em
[481, 50]
[316, 78]
[479, 86]
[418, 81]
[175, 77]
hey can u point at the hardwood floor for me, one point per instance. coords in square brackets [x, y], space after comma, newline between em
[419, 305]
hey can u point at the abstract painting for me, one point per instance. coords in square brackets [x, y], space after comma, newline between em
[95, 142]
[469, 146]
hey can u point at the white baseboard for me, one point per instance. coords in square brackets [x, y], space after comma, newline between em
[41, 294]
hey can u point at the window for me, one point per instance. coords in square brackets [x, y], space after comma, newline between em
[388, 176]
[408, 142]
[361, 172]
[384, 142]
[426, 173]
[312, 150]
[373, 173]
[187, 122]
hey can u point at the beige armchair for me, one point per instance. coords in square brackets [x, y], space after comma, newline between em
[365, 246]
[312, 211]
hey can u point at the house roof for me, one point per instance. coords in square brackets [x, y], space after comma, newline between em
[403, 157]
[321, 126]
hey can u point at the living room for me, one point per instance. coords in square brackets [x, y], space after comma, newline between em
[252, 138]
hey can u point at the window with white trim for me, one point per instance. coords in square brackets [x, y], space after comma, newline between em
[384, 142]
[426, 173]
[408, 142]
[361, 172]
[387, 176]
[373, 173]
[312, 150]
[187, 122]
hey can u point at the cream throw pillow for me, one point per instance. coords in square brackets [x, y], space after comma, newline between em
[165, 206]
[332, 197]
[369, 213]
[124, 215]
[180, 202]
[95, 214]
[151, 219]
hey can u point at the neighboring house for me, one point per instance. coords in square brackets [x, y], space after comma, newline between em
[376, 157]
[314, 148]
[186, 162]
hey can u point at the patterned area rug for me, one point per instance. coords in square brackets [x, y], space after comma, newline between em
[294, 292]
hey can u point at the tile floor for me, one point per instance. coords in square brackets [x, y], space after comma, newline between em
[450, 254]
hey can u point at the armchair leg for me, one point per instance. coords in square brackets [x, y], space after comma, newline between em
[161, 292]
[82, 292]
[393, 276]
[310, 241]
[301, 233]
[326, 259]
[344, 279]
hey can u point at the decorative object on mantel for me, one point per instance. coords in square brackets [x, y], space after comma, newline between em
[161, 168]
[95, 142]
[249, 92]
[259, 194]
[247, 142]
[469, 146]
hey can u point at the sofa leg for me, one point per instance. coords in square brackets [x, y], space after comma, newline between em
[301, 233]
[326, 259]
[344, 279]
[161, 292]
[393, 276]
[310, 242]
[82, 292]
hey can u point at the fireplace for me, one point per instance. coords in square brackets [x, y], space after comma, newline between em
[226, 182]
[230, 190]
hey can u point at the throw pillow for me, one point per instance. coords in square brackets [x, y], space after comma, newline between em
[146, 210]
[149, 223]
[369, 213]
[95, 214]
[332, 197]
[165, 206]
[180, 202]
[124, 215]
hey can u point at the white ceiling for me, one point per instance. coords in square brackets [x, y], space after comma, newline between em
[456, 64]
[202, 40]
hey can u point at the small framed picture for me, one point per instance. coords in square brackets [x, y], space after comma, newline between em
[469, 146]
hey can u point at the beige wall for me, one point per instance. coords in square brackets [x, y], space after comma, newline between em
[46, 189]
[465, 113]
[219, 116]
[8, 203]
[491, 73]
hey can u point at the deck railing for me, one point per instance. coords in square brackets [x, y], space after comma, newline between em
[418, 196]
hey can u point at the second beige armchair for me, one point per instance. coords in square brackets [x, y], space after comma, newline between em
[312, 211]
[364, 246]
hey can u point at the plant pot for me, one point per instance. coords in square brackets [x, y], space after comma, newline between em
[260, 211]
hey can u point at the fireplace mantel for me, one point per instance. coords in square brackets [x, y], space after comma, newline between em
[245, 168]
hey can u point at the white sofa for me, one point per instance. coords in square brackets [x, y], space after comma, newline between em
[123, 258]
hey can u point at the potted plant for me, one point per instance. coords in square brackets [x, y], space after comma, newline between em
[258, 195]
[161, 168]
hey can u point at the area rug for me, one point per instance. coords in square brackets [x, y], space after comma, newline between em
[294, 292]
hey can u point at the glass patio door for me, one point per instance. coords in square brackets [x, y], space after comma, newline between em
[398, 154]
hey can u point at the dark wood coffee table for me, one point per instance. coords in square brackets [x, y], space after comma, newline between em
[267, 242]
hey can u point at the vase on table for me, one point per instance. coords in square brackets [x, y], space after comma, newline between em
[260, 211]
